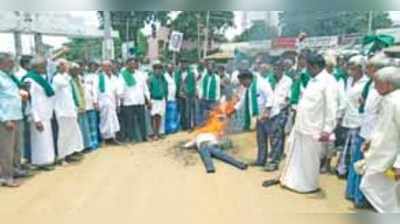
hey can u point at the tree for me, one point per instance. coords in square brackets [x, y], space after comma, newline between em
[81, 49]
[193, 23]
[128, 23]
[325, 23]
[258, 31]
[188, 21]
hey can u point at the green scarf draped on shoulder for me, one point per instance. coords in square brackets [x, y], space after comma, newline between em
[364, 95]
[158, 87]
[15, 80]
[78, 94]
[210, 90]
[340, 74]
[178, 80]
[190, 83]
[129, 77]
[47, 88]
[102, 82]
[298, 85]
[272, 80]
[251, 104]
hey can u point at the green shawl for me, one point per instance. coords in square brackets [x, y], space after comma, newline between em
[272, 80]
[102, 82]
[178, 80]
[78, 94]
[298, 85]
[340, 74]
[129, 77]
[251, 104]
[210, 91]
[41, 81]
[364, 95]
[158, 87]
[15, 80]
[190, 83]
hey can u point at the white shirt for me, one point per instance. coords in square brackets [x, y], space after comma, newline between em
[317, 109]
[137, 94]
[64, 101]
[384, 151]
[111, 92]
[352, 117]
[234, 78]
[20, 73]
[341, 88]
[370, 115]
[171, 87]
[89, 82]
[218, 86]
[265, 97]
[281, 94]
[41, 106]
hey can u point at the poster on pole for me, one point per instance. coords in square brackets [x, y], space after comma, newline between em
[175, 41]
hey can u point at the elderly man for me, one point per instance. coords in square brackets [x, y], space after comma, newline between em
[383, 156]
[315, 121]
[108, 91]
[352, 117]
[10, 121]
[369, 108]
[42, 108]
[135, 95]
[69, 138]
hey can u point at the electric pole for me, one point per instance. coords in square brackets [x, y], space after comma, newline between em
[370, 20]
[108, 44]
[206, 35]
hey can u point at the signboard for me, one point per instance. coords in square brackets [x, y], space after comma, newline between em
[128, 50]
[320, 42]
[350, 39]
[284, 43]
[175, 41]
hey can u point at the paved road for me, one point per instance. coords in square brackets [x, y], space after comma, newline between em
[157, 183]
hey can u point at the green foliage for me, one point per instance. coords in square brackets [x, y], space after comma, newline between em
[258, 31]
[324, 23]
[84, 49]
[128, 23]
[187, 22]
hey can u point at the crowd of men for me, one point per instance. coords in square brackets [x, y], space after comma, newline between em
[324, 106]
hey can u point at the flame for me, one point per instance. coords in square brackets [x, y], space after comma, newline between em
[217, 118]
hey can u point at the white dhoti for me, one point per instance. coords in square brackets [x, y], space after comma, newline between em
[158, 107]
[69, 137]
[382, 192]
[109, 124]
[302, 168]
[42, 145]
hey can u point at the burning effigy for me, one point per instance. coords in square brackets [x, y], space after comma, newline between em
[207, 139]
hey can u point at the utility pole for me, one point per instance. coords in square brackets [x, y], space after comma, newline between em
[38, 38]
[108, 44]
[198, 37]
[370, 20]
[206, 33]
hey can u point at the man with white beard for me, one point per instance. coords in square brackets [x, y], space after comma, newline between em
[382, 161]
[41, 112]
[315, 122]
[108, 91]
[69, 138]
